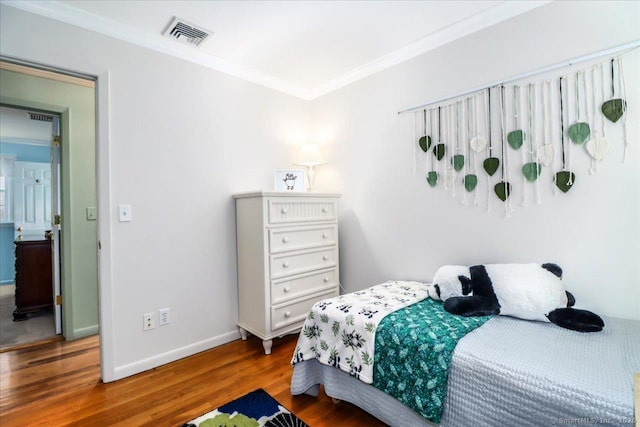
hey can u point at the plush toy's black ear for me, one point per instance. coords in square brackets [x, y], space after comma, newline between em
[571, 301]
[576, 320]
[553, 268]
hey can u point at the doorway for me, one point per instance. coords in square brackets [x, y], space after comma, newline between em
[73, 100]
[29, 201]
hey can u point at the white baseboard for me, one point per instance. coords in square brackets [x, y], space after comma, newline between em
[173, 355]
[84, 332]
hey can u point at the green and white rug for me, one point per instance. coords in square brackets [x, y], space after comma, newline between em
[255, 409]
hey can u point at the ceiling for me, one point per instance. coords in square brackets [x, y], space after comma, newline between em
[304, 48]
[16, 126]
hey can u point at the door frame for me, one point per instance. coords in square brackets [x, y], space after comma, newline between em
[105, 219]
[106, 215]
[62, 101]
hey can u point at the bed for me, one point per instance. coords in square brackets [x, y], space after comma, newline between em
[505, 371]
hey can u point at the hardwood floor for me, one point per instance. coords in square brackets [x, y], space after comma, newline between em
[59, 384]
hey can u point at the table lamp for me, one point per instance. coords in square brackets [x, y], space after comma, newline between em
[309, 156]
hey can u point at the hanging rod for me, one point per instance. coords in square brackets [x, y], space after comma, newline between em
[628, 46]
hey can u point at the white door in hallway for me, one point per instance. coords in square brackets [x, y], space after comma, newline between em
[32, 199]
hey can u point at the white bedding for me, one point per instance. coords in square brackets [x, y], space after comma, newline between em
[514, 372]
[349, 344]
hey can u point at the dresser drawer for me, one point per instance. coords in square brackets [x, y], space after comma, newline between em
[288, 263]
[292, 210]
[288, 239]
[299, 286]
[297, 312]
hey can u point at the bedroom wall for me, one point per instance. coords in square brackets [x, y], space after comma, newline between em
[181, 139]
[394, 226]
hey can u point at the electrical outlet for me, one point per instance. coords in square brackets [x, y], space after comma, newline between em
[148, 322]
[164, 316]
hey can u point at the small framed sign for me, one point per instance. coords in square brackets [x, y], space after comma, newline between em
[289, 180]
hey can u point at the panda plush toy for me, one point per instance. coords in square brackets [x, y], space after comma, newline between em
[525, 291]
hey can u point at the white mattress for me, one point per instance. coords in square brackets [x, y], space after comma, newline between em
[515, 372]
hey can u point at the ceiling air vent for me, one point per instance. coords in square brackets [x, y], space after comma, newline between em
[40, 117]
[188, 33]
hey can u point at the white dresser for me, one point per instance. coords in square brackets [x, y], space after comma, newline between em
[287, 259]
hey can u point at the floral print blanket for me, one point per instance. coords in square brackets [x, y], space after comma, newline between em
[341, 331]
[413, 353]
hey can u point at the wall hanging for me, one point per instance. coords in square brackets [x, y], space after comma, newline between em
[521, 134]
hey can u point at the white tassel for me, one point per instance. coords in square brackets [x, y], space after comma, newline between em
[507, 209]
[623, 90]
[464, 195]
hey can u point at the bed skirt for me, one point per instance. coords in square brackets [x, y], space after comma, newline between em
[308, 375]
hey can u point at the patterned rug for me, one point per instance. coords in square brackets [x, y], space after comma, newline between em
[255, 409]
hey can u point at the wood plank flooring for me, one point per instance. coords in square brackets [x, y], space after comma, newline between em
[58, 384]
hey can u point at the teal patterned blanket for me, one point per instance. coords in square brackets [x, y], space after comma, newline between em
[413, 351]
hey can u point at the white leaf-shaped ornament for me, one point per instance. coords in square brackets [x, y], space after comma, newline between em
[449, 178]
[478, 144]
[545, 155]
[598, 147]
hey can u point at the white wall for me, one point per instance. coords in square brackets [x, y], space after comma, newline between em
[182, 139]
[394, 226]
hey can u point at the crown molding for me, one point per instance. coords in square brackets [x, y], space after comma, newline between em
[472, 24]
[71, 15]
[63, 12]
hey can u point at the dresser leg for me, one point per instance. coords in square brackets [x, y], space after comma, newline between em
[267, 346]
[243, 334]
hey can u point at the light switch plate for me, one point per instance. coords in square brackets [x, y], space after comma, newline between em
[124, 213]
[92, 214]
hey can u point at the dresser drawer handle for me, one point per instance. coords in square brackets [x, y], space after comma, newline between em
[325, 257]
[326, 280]
[285, 240]
[325, 235]
[284, 210]
[285, 264]
[324, 210]
[286, 289]
[287, 314]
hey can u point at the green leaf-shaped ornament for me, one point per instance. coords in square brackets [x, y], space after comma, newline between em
[565, 180]
[457, 162]
[425, 143]
[432, 178]
[613, 109]
[579, 132]
[531, 171]
[491, 165]
[438, 151]
[515, 139]
[503, 190]
[470, 182]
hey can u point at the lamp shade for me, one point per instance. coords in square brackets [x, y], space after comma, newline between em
[309, 155]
